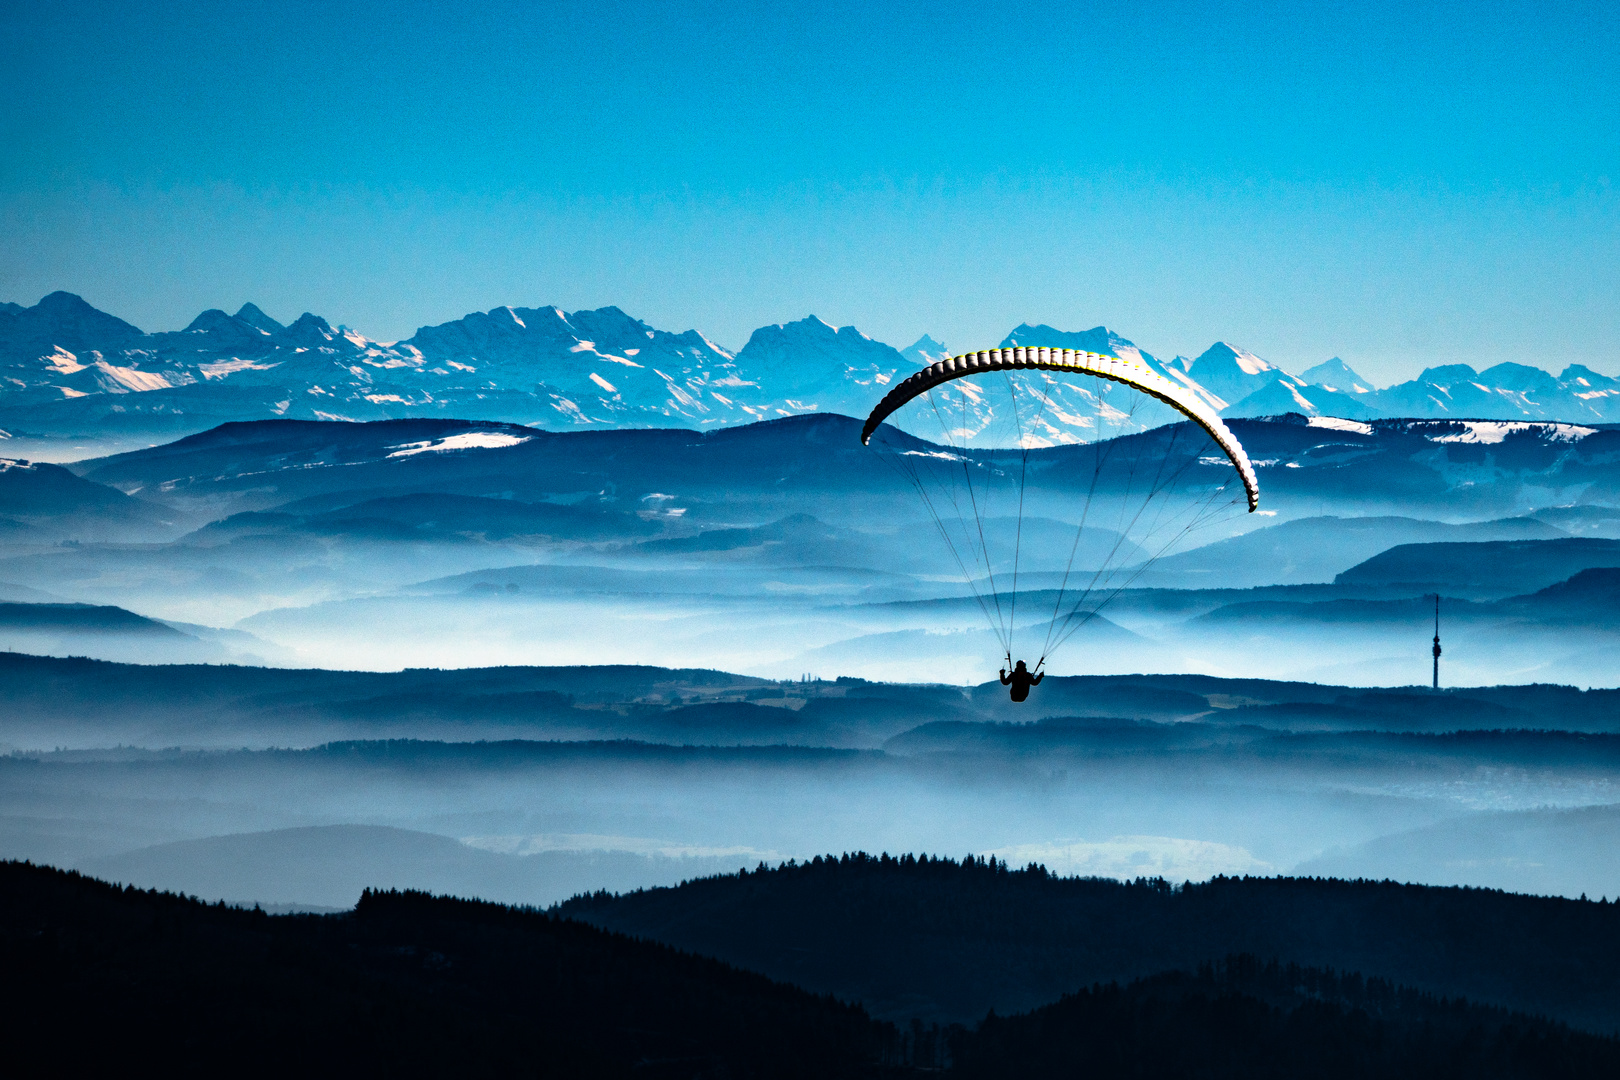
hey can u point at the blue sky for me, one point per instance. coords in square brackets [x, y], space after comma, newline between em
[1400, 185]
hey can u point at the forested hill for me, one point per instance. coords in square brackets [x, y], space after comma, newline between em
[934, 937]
[83, 703]
[410, 984]
[1243, 1019]
[99, 979]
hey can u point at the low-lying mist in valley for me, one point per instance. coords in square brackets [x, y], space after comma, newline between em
[532, 784]
[783, 549]
[401, 638]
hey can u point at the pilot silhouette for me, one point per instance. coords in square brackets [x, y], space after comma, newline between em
[1020, 680]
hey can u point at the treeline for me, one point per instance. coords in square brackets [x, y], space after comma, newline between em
[1245, 1020]
[102, 979]
[518, 753]
[949, 940]
[80, 694]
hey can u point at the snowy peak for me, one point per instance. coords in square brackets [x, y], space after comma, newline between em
[215, 332]
[604, 367]
[212, 321]
[1229, 374]
[924, 351]
[814, 335]
[65, 320]
[1099, 339]
[815, 367]
[1247, 361]
[599, 366]
[1506, 391]
[612, 331]
[1448, 374]
[308, 332]
[1224, 361]
[1582, 381]
[1286, 394]
[548, 336]
[1243, 384]
[1520, 378]
[70, 308]
[502, 333]
[250, 314]
[1337, 375]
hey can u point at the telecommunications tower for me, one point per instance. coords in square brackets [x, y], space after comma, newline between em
[1437, 641]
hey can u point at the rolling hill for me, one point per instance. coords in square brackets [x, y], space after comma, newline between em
[408, 984]
[939, 938]
[1428, 469]
[1495, 568]
[413, 984]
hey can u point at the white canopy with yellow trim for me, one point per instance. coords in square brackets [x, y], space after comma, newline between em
[1132, 373]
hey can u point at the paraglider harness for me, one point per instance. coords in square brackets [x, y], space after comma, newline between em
[1032, 676]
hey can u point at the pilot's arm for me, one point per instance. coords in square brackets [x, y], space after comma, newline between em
[1036, 681]
[1006, 680]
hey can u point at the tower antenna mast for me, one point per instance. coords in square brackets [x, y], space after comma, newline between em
[1437, 641]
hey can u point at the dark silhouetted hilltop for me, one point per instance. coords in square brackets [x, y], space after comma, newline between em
[1409, 468]
[50, 502]
[934, 937]
[81, 619]
[409, 984]
[1591, 597]
[1492, 568]
[331, 865]
[1316, 548]
[49, 700]
[414, 984]
[1242, 1018]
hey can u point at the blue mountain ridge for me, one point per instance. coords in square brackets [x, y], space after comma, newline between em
[67, 367]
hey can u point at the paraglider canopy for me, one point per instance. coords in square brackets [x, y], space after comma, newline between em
[1132, 373]
[1060, 467]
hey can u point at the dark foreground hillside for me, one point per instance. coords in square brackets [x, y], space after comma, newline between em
[100, 979]
[1244, 1020]
[947, 940]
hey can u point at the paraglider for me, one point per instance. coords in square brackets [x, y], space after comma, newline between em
[1062, 464]
[1020, 679]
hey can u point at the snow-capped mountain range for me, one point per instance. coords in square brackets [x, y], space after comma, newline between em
[66, 365]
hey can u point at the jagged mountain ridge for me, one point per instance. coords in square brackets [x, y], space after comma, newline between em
[64, 364]
[540, 366]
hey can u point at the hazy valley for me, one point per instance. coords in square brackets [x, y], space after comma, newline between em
[327, 556]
